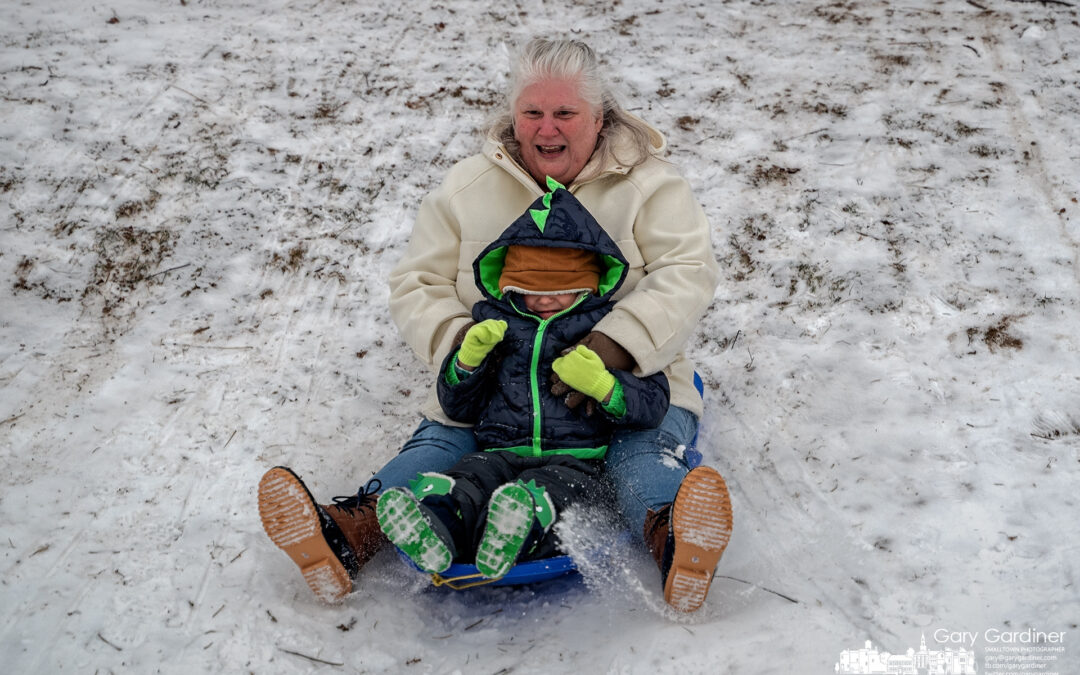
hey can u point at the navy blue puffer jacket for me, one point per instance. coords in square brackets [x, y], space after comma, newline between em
[508, 396]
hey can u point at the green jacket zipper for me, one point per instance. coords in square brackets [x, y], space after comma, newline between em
[534, 372]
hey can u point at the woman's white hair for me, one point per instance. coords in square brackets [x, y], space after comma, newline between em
[542, 59]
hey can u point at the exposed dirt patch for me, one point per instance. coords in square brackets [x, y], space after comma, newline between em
[762, 175]
[127, 259]
[997, 336]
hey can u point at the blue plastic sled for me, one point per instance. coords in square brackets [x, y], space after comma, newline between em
[460, 576]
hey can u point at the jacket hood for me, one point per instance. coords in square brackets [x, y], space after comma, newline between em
[555, 220]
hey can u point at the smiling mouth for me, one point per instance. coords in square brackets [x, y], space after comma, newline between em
[550, 149]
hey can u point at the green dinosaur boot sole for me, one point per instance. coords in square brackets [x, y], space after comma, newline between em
[509, 521]
[406, 526]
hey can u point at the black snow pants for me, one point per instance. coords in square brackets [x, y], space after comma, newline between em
[567, 480]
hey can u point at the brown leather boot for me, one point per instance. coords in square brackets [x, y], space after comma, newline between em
[657, 526]
[328, 543]
[688, 537]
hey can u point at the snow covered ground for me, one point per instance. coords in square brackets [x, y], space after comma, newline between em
[199, 205]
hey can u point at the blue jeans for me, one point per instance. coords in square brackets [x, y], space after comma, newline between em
[644, 467]
[433, 447]
[647, 467]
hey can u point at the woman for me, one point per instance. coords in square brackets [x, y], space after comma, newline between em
[561, 121]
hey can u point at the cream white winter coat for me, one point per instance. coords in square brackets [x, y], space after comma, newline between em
[648, 210]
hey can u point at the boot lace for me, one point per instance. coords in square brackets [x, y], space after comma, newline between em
[366, 498]
[656, 520]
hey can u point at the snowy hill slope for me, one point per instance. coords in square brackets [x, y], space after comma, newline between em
[200, 205]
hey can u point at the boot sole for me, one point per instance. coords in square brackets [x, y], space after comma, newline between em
[291, 520]
[406, 526]
[701, 523]
[509, 520]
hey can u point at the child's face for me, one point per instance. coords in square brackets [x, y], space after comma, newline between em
[547, 306]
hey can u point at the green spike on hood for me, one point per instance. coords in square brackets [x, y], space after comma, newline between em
[540, 216]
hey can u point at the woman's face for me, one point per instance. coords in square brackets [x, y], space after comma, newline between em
[557, 130]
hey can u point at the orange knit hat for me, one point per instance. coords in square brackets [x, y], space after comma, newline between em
[542, 270]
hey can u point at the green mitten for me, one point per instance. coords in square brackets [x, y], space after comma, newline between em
[583, 370]
[609, 351]
[480, 340]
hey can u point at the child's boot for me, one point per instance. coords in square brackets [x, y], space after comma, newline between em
[412, 527]
[329, 543]
[688, 536]
[518, 512]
